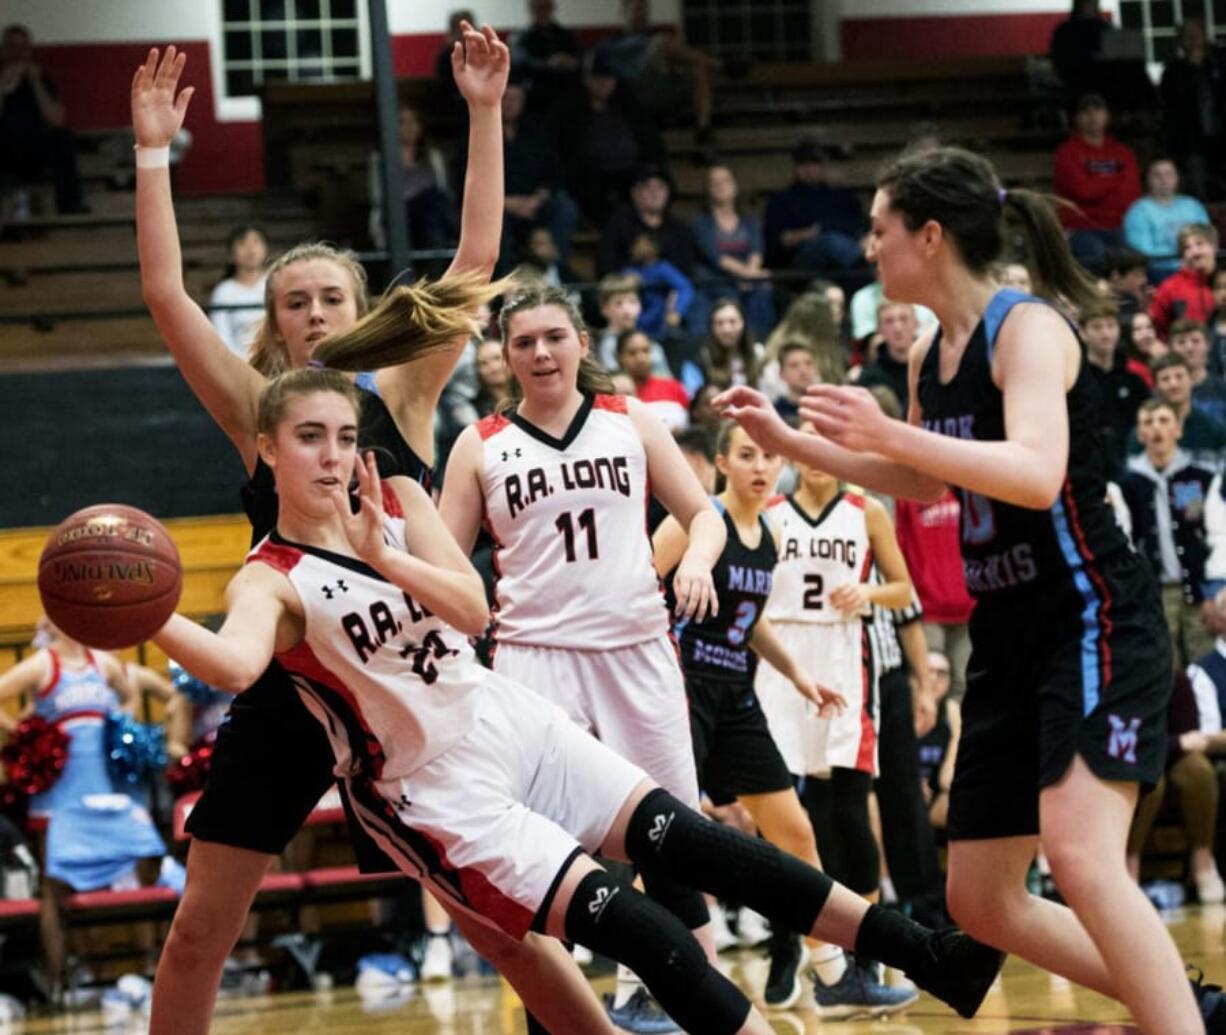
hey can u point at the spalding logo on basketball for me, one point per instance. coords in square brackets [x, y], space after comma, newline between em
[109, 576]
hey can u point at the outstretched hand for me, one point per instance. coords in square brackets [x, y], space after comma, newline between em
[364, 530]
[480, 62]
[157, 112]
[829, 702]
[754, 412]
[694, 588]
[847, 415]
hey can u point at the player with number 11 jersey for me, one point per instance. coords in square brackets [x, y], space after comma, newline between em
[561, 483]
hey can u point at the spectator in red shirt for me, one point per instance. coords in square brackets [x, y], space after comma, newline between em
[1188, 292]
[1099, 175]
[929, 535]
[664, 396]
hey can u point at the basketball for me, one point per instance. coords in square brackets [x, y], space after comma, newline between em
[109, 576]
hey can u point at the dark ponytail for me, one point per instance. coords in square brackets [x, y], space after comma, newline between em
[961, 191]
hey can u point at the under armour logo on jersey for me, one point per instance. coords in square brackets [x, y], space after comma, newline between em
[1122, 743]
[659, 829]
[329, 592]
[601, 902]
[403, 802]
[507, 454]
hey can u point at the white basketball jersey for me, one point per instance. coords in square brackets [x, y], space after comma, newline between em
[568, 517]
[816, 555]
[392, 684]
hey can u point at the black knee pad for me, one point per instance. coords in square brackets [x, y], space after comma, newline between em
[616, 921]
[667, 835]
[683, 901]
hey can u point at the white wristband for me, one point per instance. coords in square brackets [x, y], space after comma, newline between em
[152, 157]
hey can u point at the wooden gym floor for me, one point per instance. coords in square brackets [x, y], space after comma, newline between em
[1026, 1001]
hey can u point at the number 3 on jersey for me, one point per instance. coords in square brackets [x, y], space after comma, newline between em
[587, 523]
[746, 611]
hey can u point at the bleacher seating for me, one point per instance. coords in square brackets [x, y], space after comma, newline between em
[69, 292]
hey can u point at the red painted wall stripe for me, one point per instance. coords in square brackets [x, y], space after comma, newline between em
[939, 36]
[94, 81]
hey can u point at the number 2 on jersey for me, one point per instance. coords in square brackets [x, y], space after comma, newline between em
[814, 584]
[587, 523]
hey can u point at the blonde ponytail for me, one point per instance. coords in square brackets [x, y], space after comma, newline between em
[410, 321]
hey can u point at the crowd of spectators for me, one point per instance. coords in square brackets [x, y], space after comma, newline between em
[687, 306]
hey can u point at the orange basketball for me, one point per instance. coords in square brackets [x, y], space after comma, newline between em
[109, 576]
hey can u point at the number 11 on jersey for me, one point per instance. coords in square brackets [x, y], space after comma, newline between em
[587, 524]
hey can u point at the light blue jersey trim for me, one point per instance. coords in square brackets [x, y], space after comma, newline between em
[1091, 676]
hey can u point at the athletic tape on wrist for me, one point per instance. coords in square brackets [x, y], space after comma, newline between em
[152, 157]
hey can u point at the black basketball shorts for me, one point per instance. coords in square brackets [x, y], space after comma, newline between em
[271, 764]
[1077, 669]
[733, 748]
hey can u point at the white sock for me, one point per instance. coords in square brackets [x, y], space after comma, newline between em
[628, 983]
[830, 964]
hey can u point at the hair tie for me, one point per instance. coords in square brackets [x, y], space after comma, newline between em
[1002, 195]
[315, 364]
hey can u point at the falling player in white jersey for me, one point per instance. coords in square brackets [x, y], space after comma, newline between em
[829, 539]
[561, 484]
[474, 784]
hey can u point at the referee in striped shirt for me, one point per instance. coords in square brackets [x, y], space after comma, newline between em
[898, 655]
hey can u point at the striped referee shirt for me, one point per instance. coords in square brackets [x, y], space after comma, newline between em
[885, 651]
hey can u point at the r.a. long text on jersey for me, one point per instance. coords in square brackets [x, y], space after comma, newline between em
[393, 685]
[567, 515]
[817, 554]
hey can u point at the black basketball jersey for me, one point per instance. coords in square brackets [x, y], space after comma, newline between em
[377, 431]
[718, 648]
[1005, 548]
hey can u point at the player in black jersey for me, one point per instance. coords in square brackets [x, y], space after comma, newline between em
[271, 762]
[1064, 713]
[736, 756]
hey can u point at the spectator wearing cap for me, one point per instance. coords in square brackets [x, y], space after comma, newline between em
[604, 136]
[647, 213]
[1099, 176]
[813, 224]
[1152, 223]
[549, 55]
[535, 195]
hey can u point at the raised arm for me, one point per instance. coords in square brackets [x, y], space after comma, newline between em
[259, 621]
[679, 490]
[227, 387]
[1035, 362]
[480, 64]
[437, 574]
[463, 503]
